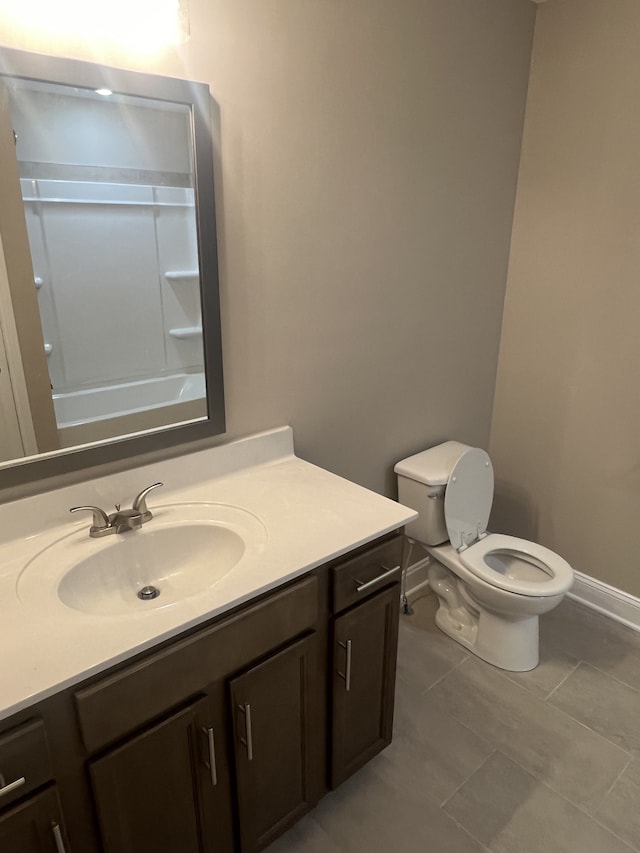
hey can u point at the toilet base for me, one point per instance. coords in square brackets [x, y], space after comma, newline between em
[512, 646]
[508, 642]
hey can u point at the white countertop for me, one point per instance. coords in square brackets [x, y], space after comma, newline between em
[310, 516]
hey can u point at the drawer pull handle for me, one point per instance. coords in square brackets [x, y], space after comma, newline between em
[211, 764]
[248, 742]
[386, 574]
[346, 675]
[7, 789]
[57, 837]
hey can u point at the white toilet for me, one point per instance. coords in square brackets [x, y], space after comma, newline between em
[491, 587]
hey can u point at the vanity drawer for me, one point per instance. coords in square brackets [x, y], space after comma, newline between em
[118, 704]
[367, 573]
[25, 762]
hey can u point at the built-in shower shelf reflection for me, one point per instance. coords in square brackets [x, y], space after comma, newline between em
[186, 332]
[182, 275]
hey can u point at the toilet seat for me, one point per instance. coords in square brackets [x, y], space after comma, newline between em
[556, 575]
[506, 562]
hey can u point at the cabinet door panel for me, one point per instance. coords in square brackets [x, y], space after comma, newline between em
[154, 792]
[365, 642]
[33, 826]
[269, 706]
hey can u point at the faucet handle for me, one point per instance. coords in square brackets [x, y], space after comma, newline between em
[140, 502]
[100, 518]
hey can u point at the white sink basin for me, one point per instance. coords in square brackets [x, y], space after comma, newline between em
[185, 550]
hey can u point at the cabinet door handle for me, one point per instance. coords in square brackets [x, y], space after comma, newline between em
[248, 742]
[57, 837]
[386, 574]
[346, 675]
[7, 789]
[211, 764]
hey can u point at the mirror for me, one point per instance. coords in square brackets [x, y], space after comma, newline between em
[109, 311]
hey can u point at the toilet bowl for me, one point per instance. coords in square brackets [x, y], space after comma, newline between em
[491, 587]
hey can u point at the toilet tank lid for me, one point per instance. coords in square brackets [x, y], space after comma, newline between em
[433, 466]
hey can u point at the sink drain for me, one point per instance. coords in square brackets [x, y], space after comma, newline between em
[148, 592]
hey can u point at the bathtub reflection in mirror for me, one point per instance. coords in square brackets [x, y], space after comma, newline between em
[112, 198]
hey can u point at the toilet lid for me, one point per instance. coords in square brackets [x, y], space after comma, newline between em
[468, 498]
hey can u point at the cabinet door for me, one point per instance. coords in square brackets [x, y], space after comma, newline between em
[269, 705]
[34, 827]
[157, 791]
[365, 643]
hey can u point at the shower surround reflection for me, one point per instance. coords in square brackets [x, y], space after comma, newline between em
[107, 184]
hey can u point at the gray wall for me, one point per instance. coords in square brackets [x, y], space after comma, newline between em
[566, 426]
[369, 155]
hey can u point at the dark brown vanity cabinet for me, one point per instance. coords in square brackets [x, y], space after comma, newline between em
[365, 642]
[219, 740]
[169, 787]
[191, 742]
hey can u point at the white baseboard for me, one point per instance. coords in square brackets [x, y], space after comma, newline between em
[598, 595]
[612, 602]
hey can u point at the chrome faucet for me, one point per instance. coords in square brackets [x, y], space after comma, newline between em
[122, 520]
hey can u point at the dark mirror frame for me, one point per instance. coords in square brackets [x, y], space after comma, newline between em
[33, 66]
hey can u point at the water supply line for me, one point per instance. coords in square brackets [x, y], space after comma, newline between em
[407, 610]
[407, 551]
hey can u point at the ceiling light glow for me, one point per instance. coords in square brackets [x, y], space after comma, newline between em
[132, 23]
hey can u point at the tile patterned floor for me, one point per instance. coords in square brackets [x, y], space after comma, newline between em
[483, 760]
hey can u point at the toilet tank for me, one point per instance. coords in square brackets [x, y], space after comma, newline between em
[422, 482]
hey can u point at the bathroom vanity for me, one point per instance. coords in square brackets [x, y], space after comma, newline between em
[216, 721]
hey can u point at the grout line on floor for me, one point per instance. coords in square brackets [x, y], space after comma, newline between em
[611, 675]
[582, 808]
[469, 834]
[615, 782]
[594, 732]
[473, 772]
[613, 832]
[568, 675]
[442, 677]
[544, 700]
